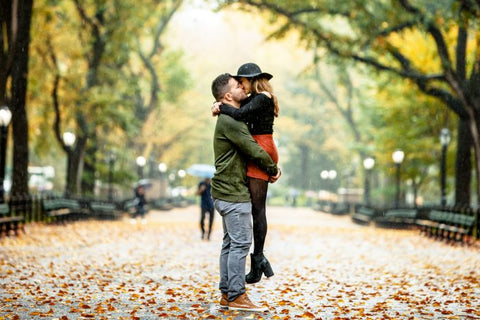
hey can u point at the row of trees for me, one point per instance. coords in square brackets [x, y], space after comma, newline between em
[401, 72]
[384, 37]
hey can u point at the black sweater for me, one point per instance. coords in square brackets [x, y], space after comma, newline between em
[257, 111]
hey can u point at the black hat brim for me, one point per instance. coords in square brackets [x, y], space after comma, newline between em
[266, 75]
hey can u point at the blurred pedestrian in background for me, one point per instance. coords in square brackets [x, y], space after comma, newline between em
[139, 204]
[206, 206]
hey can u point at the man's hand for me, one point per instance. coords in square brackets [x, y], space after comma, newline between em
[216, 108]
[274, 179]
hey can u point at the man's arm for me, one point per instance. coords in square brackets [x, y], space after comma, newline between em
[240, 136]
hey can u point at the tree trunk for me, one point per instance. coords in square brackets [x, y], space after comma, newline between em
[78, 157]
[305, 152]
[19, 91]
[89, 169]
[463, 163]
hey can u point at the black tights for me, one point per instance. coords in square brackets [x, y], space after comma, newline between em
[258, 190]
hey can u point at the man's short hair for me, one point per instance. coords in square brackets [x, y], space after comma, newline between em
[220, 86]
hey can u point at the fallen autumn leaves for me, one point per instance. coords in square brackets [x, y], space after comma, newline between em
[325, 268]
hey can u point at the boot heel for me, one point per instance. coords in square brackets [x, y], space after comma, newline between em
[267, 270]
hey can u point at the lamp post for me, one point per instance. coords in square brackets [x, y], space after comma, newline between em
[445, 138]
[68, 139]
[111, 162]
[141, 162]
[397, 157]
[368, 164]
[162, 167]
[324, 176]
[328, 174]
[5, 117]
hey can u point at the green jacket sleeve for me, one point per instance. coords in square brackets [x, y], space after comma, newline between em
[239, 135]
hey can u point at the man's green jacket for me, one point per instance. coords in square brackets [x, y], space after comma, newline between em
[233, 146]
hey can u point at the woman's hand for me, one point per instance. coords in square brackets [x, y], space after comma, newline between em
[216, 108]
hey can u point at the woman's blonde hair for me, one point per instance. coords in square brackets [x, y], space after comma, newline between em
[262, 84]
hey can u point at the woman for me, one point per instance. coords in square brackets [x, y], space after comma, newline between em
[258, 111]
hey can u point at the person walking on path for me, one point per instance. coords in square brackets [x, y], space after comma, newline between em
[139, 203]
[206, 206]
[258, 111]
[233, 145]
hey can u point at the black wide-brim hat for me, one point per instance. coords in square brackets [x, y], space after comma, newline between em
[251, 70]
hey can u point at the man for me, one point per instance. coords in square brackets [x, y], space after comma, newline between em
[206, 205]
[233, 146]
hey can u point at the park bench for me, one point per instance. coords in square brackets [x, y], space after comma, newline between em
[10, 222]
[448, 225]
[364, 215]
[397, 218]
[322, 205]
[180, 202]
[104, 210]
[163, 204]
[340, 208]
[428, 225]
[62, 210]
[129, 206]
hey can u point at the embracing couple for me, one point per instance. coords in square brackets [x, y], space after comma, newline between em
[246, 161]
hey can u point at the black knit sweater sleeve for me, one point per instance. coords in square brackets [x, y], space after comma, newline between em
[256, 106]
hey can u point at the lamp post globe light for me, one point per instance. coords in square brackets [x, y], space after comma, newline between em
[332, 174]
[5, 118]
[328, 175]
[141, 162]
[368, 164]
[324, 174]
[69, 140]
[181, 173]
[445, 138]
[397, 157]
[162, 167]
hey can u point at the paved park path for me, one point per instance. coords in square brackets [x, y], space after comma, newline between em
[326, 267]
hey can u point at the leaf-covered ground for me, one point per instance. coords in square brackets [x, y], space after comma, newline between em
[325, 267]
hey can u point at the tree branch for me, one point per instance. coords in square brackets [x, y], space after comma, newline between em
[54, 96]
[445, 96]
[162, 24]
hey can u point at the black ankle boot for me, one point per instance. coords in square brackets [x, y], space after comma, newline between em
[259, 266]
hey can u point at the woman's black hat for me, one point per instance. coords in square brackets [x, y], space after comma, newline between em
[251, 70]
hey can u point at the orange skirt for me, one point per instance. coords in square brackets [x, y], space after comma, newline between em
[266, 142]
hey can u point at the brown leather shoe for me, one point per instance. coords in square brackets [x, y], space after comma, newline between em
[242, 302]
[224, 301]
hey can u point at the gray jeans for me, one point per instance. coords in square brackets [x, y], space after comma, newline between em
[237, 239]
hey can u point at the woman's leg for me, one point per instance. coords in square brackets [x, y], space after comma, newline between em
[258, 190]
